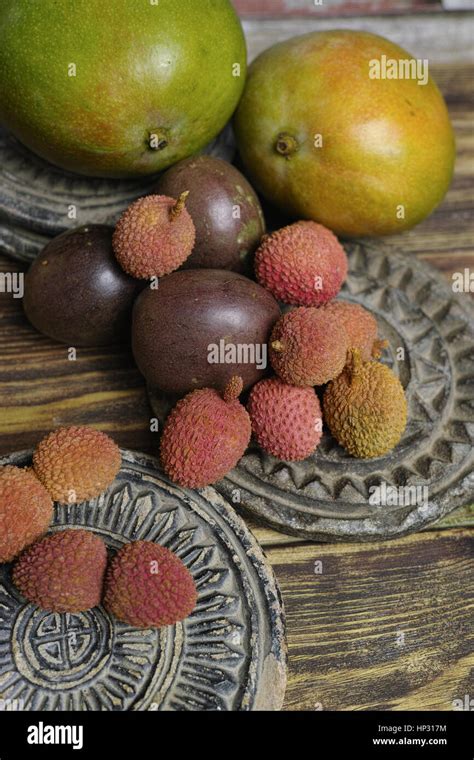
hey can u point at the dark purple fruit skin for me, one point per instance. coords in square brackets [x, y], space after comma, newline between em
[215, 188]
[76, 293]
[174, 325]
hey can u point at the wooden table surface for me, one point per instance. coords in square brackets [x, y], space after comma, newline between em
[383, 626]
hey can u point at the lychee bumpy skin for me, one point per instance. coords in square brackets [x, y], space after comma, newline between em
[205, 435]
[302, 264]
[154, 236]
[76, 463]
[286, 420]
[148, 586]
[63, 572]
[26, 510]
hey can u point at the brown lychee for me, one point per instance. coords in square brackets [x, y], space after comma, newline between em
[307, 348]
[76, 463]
[154, 236]
[365, 408]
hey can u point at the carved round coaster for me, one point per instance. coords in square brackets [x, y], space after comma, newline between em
[39, 200]
[230, 654]
[332, 496]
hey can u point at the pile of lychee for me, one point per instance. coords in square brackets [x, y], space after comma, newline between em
[144, 584]
[317, 342]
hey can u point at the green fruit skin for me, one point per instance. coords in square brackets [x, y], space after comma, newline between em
[166, 69]
[386, 142]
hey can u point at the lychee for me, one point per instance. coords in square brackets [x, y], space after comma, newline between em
[76, 463]
[26, 510]
[154, 236]
[360, 325]
[205, 435]
[148, 586]
[307, 348]
[302, 264]
[63, 572]
[286, 420]
[365, 408]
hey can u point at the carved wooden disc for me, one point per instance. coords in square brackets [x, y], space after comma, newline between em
[326, 497]
[36, 197]
[230, 654]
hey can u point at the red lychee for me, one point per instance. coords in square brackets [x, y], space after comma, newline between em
[26, 510]
[205, 435]
[148, 586]
[63, 572]
[286, 420]
[302, 264]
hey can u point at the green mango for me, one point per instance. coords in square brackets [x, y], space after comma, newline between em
[119, 88]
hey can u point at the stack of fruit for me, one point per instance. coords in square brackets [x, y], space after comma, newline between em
[130, 89]
[179, 317]
[325, 137]
[144, 584]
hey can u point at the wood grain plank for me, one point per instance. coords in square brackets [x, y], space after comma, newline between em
[382, 627]
[442, 37]
[285, 8]
[460, 518]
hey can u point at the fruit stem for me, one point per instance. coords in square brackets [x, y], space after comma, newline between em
[354, 364]
[277, 346]
[233, 389]
[286, 144]
[178, 206]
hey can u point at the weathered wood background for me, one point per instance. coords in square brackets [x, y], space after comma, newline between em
[305, 8]
[383, 626]
[260, 8]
